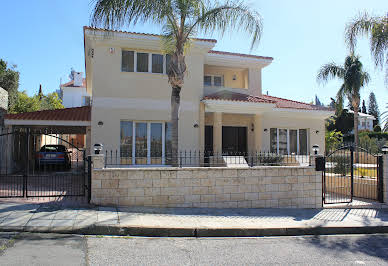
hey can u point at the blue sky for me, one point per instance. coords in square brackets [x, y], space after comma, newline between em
[44, 38]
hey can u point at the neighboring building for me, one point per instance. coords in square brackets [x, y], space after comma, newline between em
[73, 93]
[222, 105]
[3, 105]
[365, 121]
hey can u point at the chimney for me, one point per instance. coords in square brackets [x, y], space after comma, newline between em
[78, 79]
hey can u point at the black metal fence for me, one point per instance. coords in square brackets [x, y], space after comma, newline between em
[352, 172]
[42, 163]
[207, 159]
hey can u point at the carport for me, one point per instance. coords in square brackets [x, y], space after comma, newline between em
[25, 166]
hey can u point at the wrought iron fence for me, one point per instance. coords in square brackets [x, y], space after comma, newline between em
[190, 158]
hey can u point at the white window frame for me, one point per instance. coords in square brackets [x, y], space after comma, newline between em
[149, 62]
[288, 139]
[148, 141]
[212, 80]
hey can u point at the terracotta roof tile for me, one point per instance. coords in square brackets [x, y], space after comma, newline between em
[236, 97]
[66, 114]
[144, 34]
[71, 84]
[242, 55]
[279, 102]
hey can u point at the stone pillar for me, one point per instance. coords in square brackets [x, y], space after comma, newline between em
[98, 161]
[258, 132]
[217, 132]
[385, 177]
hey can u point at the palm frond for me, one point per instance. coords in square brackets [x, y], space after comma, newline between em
[114, 14]
[230, 15]
[330, 71]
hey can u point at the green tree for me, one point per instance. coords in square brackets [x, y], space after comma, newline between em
[363, 109]
[353, 79]
[50, 102]
[25, 103]
[181, 20]
[333, 140]
[9, 80]
[373, 108]
[376, 29]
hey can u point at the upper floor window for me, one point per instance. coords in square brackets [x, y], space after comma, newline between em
[127, 61]
[213, 80]
[133, 61]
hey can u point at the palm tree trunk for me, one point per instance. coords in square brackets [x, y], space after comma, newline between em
[175, 104]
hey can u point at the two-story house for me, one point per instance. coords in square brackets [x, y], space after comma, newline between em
[73, 93]
[222, 105]
[365, 121]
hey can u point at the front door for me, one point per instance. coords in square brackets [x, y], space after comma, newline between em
[234, 140]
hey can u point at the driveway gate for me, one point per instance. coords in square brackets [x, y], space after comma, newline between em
[41, 164]
[352, 172]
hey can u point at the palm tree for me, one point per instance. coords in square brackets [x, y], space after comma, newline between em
[181, 21]
[353, 78]
[376, 28]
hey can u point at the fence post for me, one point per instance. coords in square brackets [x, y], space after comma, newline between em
[384, 172]
[380, 179]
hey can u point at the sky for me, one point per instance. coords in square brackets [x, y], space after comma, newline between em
[44, 39]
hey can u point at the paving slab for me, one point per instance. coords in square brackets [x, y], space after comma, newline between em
[191, 221]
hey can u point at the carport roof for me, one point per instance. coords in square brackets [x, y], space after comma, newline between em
[76, 116]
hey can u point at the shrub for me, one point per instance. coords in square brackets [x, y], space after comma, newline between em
[377, 128]
[341, 164]
[333, 140]
[269, 159]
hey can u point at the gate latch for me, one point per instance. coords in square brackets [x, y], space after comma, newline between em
[319, 163]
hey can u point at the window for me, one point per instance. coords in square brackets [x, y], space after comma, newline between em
[142, 62]
[157, 63]
[144, 143]
[207, 80]
[156, 143]
[126, 132]
[168, 62]
[127, 61]
[213, 80]
[288, 141]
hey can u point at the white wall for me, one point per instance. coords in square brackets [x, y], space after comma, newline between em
[73, 96]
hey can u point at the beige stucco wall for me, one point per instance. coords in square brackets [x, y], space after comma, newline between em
[259, 139]
[261, 187]
[141, 97]
[241, 76]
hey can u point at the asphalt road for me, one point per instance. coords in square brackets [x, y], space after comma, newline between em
[51, 249]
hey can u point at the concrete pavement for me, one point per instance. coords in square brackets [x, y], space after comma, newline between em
[198, 222]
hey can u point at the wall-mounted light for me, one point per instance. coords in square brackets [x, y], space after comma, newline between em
[253, 127]
[100, 123]
[234, 77]
[196, 125]
[112, 50]
[265, 129]
[316, 131]
[384, 149]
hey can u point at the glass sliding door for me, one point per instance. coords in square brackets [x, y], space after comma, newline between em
[274, 140]
[156, 143]
[303, 146]
[141, 143]
[293, 141]
[282, 141]
[126, 132]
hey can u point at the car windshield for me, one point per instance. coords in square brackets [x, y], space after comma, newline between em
[53, 148]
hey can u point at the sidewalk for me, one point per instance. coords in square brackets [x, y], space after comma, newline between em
[198, 222]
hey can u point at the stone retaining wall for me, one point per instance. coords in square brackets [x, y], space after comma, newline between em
[261, 187]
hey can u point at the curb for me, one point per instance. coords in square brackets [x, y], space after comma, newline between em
[200, 232]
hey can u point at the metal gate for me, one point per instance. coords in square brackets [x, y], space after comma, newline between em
[352, 172]
[41, 164]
